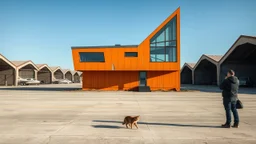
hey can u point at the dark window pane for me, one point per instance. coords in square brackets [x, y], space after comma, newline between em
[174, 29]
[152, 57]
[171, 55]
[142, 75]
[157, 54]
[157, 50]
[171, 30]
[171, 43]
[160, 37]
[92, 57]
[167, 31]
[152, 44]
[131, 54]
[160, 44]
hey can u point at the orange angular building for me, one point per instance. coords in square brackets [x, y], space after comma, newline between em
[152, 65]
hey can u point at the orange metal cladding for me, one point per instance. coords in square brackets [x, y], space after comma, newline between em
[125, 75]
[110, 80]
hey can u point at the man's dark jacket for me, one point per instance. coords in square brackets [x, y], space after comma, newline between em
[229, 88]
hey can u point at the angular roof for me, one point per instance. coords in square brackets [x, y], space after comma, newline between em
[211, 58]
[176, 12]
[79, 73]
[40, 66]
[7, 61]
[242, 39]
[168, 19]
[20, 64]
[74, 72]
[54, 68]
[65, 70]
[189, 65]
[215, 57]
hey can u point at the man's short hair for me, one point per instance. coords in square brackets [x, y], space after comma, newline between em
[232, 72]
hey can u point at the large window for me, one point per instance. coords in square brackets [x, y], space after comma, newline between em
[163, 47]
[92, 57]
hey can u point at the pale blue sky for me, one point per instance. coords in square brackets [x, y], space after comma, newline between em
[44, 31]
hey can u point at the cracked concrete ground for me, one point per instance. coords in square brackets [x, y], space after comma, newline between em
[78, 117]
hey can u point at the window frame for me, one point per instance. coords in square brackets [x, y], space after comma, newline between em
[130, 55]
[153, 43]
[92, 61]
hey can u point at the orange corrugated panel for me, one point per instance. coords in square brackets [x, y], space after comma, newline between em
[164, 80]
[110, 80]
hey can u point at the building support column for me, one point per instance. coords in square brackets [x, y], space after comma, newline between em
[16, 76]
[35, 71]
[193, 77]
[218, 74]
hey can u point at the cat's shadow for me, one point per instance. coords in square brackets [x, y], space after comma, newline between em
[148, 123]
[107, 126]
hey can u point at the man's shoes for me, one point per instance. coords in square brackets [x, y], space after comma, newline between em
[236, 125]
[226, 126]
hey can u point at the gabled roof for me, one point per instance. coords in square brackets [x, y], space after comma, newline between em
[211, 58]
[7, 61]
[65, 71]
[20, 64]
[215, 57]
[55, 68]
[79, 73]
[241, 40]
[41, 66]
[189, 65]
[74, 72]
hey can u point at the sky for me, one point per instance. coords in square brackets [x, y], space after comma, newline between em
[44, 30]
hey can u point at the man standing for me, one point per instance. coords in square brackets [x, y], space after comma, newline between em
[229, 89]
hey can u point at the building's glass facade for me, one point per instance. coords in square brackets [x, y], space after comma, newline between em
[163, 47]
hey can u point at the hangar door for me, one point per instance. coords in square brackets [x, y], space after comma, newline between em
[76, 78]
[44, 75]
[68, 76]
[186, 76]
[58, 74]
[7, 74]
[27, 73]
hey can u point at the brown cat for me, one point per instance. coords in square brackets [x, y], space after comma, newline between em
[131, 120]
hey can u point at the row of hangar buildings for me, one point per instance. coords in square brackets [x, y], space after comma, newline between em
[212, 69]
[11, 71]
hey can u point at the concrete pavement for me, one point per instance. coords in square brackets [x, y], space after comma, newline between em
[65, 117]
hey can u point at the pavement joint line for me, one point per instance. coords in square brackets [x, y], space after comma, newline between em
[65, 125]
[143, 137]
[145, 117]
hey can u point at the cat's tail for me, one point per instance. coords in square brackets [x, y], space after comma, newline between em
[123, 122]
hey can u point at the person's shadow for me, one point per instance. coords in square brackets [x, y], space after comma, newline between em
[148, 123]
